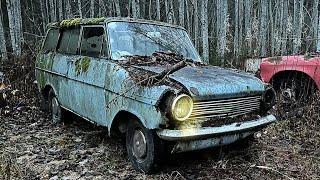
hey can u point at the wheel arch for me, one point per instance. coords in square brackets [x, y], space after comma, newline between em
[285, 73]
[45, 91]
[120, 122]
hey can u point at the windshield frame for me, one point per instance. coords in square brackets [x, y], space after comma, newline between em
[151, 23]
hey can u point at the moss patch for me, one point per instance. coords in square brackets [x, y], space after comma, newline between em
[82, 65]
[75, 22]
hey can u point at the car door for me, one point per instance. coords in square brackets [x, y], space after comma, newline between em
[87, 75]
[67, 53]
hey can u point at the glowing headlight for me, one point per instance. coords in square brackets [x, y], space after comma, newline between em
[181, 108]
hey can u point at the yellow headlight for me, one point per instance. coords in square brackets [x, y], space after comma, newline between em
[182, 107]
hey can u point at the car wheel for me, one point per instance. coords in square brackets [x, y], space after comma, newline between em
[54, 108]
[144, 148]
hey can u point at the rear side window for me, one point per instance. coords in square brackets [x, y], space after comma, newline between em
[69, 41]
[51, 41]
[92, 42]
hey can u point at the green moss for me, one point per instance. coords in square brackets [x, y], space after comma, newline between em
[82, 65]
[85, 63]
[69, 23]
[42, 80]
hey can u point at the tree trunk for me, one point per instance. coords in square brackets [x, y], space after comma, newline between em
[247, 25]
[134, 9]
[272, 27]
[14, 16]
[295, 24]
[171, 12]
[204, 29]
[80, 9]
[196, 24]
[158, 10]
[92, 8]
[236, 29]
[263, 28]
[53, 11]
[222, 9]
[285, 27]
[69, 10]
[44, 23]
[300, 26]
[181, 12]
[116, 2]
[60, 2]
[3, 46]
[315, 13]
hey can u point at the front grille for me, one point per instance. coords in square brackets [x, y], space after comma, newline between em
[205, 110]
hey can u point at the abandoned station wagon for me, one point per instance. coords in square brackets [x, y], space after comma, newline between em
[145, 80]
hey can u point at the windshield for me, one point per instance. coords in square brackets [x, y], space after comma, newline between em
[128, 39]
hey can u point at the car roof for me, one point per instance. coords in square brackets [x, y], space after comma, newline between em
[76, 22]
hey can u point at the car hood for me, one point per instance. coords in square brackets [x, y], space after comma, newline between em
[212, 82]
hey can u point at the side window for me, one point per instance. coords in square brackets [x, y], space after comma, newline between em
[51, 41]
[92, 42]
[69, 41]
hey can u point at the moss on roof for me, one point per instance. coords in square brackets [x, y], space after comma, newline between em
[70, 23]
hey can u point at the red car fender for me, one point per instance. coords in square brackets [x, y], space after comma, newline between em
[275, 65]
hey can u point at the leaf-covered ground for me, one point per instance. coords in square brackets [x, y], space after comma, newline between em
[33, 148]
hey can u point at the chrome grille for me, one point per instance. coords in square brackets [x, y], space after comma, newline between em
[225, 108]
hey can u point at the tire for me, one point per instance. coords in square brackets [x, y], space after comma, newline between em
[54, 108]
[144, 148]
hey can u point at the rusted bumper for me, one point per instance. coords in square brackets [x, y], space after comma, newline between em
[200, 138]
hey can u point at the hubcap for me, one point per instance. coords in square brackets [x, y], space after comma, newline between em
[55, 110]
[139, 147]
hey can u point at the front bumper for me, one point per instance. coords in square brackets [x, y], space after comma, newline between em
[200, 138]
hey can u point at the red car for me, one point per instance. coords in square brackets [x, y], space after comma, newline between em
[292, 76]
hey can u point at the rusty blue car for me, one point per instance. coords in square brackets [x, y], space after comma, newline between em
[145, 80]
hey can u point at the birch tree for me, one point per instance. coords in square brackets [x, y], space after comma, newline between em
[315, 14]
[285, 27]
[44, 23]
[236, 29]
[134, 9]
[14, 16]
[263, 28]
[204, 29]
[222, 9]
[117, 5]
[181, 12]
[196, 23]
[158, 10]
[299, 30]
[247, 24]
[3, 45]
[80, 8]
[69, 10]
[91, 8]
[53, 15]
[60, 8]
[171, 12]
